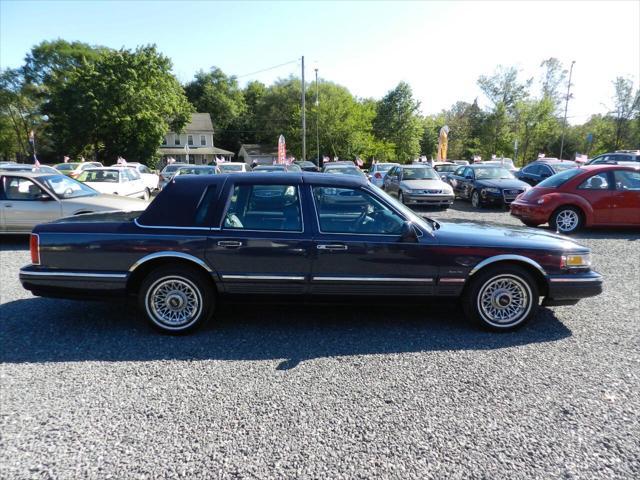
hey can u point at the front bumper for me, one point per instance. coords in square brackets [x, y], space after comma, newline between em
[568, 289]
[72, 284]
[426, 199]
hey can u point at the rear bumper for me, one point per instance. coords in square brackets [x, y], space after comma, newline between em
[72, 284]
[564, 288]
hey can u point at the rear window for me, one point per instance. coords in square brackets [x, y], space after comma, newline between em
[554, 181]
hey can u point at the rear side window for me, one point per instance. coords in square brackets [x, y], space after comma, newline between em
[264, 207]
[599, 181]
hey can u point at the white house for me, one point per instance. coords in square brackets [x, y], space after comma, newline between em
[260, 154]
[196, 142]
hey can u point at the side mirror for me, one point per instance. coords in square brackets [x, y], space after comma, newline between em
[408, 234]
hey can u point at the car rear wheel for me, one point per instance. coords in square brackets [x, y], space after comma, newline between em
[475, 199]
[566, 220]
[146, 195]
[176, 299]
[501, 298]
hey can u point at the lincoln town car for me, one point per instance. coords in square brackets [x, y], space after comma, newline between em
[316, 236]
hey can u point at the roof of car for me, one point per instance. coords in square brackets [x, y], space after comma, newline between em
[281, 177]
[28, 173]
[611, 166]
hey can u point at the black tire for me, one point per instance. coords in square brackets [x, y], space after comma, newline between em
[567, 220]
[180, 285]
[146, 195]
[400, 197]
[476, 201]
[530, 224]
[510, 283]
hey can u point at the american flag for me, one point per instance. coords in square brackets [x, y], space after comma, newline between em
[359, 161]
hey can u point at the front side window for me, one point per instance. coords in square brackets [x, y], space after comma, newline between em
[16, 188]
[264, 207]
[596, 182]
[65, 187]
[627, 180]
[532, 169]
[350, 210]
[459, 171]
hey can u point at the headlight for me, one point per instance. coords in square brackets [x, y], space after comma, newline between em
[491, 190]
[575, 260]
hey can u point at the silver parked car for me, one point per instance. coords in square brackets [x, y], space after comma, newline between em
[27, 199]
[418, 184]
[378, 171]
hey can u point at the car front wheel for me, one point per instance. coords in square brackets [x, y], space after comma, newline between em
[146, 195]
[475, 199]
[176, 299]
[501, 298]
[401, 197]
[566, 220]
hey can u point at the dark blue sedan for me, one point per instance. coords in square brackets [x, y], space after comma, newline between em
[486, 185]
[206, 238]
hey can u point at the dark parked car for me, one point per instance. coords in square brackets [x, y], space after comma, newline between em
[486, 185]
[307, 166]
[537, 171]
[277, 168]
[206, 237]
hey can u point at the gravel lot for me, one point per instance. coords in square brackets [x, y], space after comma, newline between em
[88, 390]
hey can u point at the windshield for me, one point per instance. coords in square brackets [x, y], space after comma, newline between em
[230, 168]
[344, 171]
[419, 173]
[406, 211]
[484, 173]
[65, 187]
[66, 167]
[171, 168]
[561, 178]
[196, 171]
[107, 176]
[446, 168]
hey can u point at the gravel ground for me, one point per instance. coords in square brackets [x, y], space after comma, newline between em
[89, 391]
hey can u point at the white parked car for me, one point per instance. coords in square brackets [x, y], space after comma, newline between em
[232, 167]
[117, 181]
[150, 178]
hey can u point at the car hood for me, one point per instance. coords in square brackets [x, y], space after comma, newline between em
[503, 183]
[103, 202]
[485, 235]
[424, 184]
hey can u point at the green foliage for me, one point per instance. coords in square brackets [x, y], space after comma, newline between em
[397, 122]
[123, 103]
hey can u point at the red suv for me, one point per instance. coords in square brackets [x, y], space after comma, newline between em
[598, 195]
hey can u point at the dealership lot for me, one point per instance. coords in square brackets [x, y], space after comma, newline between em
[333, 391]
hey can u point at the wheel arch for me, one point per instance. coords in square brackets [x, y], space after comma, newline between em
[140, 269]
[576, 202]
[531, 266]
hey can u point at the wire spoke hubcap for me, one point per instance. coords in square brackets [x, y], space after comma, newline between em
[175, 301]
[504, 300]
[567, 220]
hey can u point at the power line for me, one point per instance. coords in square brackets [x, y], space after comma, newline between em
[267, 69]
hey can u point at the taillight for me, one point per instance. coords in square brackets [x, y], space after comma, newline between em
[34, 247]
[378, 175]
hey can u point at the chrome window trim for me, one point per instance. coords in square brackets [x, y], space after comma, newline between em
[228, 204]
[169, 254]
[172, 227]
[264, 277]
[73, 274]
[499, 258]
[372, 279]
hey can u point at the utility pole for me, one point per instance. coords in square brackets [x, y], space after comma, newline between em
[304, 117]
[317, 121]
[566, 105]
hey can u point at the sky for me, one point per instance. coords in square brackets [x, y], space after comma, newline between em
[439, 48]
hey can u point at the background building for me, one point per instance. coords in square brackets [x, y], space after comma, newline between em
[196, 141]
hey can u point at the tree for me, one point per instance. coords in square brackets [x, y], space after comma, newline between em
[626, 106]
[553, 78]
[220, 96]
[537, 126]
[397, 122]
[123, 103]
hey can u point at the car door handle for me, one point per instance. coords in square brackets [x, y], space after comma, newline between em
[229, 243]
[332, 248]
[8, 205]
